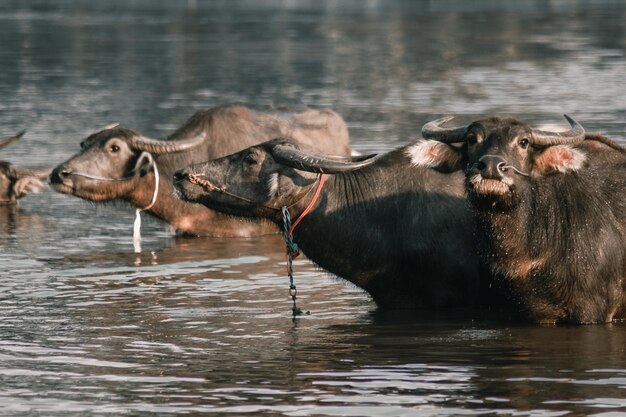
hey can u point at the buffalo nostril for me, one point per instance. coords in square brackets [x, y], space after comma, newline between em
[58, 175]
[179, 175]
[492, 166]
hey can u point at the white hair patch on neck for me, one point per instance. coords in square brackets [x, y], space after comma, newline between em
[430, 154]
[272, 185]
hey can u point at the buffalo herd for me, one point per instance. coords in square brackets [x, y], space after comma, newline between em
[494, 216]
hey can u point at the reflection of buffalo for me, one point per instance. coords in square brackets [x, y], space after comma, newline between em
[16, 182]
[22, 231]
[402, 233]
[116, 163]
[551, 212]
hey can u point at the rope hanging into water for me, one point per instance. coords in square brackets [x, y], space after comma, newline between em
[292, 248]
[137, 223]
[292, 252]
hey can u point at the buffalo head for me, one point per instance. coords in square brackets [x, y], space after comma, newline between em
[500, 155]
[259, 180]
[17, 182]
[111, 162]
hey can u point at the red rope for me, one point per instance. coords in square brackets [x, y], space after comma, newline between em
[306, 211]
[308, 208]
[292, 255]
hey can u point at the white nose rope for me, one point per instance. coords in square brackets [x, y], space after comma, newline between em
[137, 224]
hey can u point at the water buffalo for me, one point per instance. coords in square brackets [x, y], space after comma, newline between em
[116, 163]
[16, 182]
[551, 213]
[401, 232]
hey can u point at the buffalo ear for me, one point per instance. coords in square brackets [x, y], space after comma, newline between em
[560, 158]
[27, 185]
[144, 164]
[437, 155]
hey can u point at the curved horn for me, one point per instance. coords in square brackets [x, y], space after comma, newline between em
[166, 146]
[320, 164]
[434, 130]
[10, 140]
[102, 129]
[350, 158]
[575, 135]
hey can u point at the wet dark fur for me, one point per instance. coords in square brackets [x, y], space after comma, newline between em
[561, 247]
[402, 233]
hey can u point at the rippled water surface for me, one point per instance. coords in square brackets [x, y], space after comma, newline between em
[203, 325]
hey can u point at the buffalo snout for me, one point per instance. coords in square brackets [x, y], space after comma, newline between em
[491, 167]
[58, 175]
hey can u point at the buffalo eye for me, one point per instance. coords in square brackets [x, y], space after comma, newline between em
[114, 148]
[472, 139]
[523, 143]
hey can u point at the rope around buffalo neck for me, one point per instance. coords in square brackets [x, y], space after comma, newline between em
[292, 248]
[137, 224]
[288, 228]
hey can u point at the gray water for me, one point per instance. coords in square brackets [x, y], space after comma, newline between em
[203, 325]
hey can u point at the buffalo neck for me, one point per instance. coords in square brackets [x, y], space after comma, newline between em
[372, 226]
[544, 248]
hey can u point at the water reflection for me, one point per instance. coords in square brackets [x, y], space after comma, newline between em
[203, 325]
[265, 364]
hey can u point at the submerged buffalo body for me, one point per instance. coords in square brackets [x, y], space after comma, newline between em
[401, 232]
[551, 213]
[16, 182]
[117, 163]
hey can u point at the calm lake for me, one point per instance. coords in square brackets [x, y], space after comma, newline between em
[194, 326]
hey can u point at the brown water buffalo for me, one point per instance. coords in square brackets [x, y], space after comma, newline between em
[551, 213]
[401, 232]
[16, 182]
[117, 163]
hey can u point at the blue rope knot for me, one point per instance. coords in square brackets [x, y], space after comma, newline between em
[292, 248]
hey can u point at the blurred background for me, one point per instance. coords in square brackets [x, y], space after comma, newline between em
[202, 325]
[69, 67]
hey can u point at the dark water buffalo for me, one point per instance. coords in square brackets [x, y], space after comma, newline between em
[551, 212]
[16, 182]
[401, 232]
[125, 155]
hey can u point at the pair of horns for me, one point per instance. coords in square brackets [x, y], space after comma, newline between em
[435, 130]
[7, 141]
[158, 146]
[321, 164]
